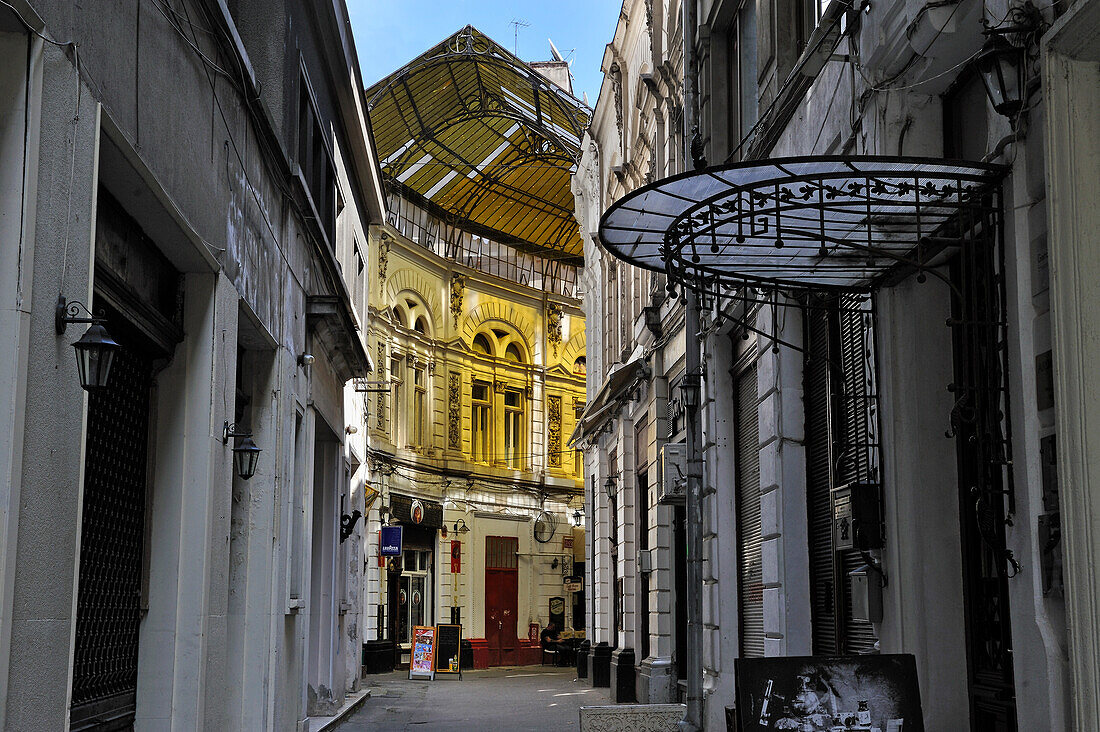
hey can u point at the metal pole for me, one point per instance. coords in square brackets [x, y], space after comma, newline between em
[693, 719]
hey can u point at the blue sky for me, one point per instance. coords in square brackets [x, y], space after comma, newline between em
[390, 33]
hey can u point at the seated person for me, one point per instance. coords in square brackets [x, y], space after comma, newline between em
[550, 640]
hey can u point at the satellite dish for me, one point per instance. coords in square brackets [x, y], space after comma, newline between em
[545, 526]
[555, 52]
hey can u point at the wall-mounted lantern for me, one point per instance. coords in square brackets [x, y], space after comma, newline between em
[245, 453]
[95, 350]
[609, 486]
[1003, 64]
[578, 517]
[461, 528]
[689, 390]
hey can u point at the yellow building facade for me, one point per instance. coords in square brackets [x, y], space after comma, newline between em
[475, 324]
[481, 381]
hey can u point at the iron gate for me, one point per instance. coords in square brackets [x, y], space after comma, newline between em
[981, 427]
[111, 545]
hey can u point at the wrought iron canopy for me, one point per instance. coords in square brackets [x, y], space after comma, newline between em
[818, 223]
[482, 139]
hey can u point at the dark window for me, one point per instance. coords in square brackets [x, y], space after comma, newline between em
[315, 162]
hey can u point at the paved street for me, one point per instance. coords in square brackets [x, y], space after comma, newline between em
[519, 698]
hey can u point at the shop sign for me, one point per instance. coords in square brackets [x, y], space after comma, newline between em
[391, 537]
[572, 583]
[416, 511]
[456, 557]
[567, 542]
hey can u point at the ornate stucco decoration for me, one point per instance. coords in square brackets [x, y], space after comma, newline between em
[458, 290]
[617, 88]
[454, 409]
[553, 326]
[382, 368]
[553, 438]
[649, 24]
[383, 257]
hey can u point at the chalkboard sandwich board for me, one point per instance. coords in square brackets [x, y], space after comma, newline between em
[422, 663]
[448, 647]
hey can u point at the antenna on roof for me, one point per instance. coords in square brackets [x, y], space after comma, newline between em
[554, 51]
[516, 24]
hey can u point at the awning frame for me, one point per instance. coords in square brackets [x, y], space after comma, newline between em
[821, 223]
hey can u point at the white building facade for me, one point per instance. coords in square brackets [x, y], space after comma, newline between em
[204, 209]
[806, 394]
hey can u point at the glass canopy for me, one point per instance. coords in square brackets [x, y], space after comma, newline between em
[480, 139]
[821, 223]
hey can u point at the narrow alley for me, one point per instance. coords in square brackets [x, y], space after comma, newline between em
[504, 698]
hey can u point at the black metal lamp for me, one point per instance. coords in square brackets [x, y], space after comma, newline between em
[578, 517]
[95, 350]
[689, 390]
[1001, 66]
[245, 453]
[245, 457]
[1004, 60]
[461, 528]
[609, 486]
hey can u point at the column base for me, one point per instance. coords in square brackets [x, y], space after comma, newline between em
[623, 676]
[656, 681]
[600, 665]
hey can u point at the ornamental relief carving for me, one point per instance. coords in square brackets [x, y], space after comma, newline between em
[553, 326]
[458, 290]
[454, 409]
[553, 439]
[381, 395]
[383, 257]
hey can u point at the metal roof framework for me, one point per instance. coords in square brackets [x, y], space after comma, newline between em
[484, 142]
[826, 223]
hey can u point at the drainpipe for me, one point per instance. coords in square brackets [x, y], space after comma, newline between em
[693, 719]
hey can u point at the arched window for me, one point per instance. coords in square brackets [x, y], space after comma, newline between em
[410, 311]
[482, 345]
[512, 353]
[580, 366]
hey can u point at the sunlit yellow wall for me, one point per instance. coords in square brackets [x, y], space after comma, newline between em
[419, 283]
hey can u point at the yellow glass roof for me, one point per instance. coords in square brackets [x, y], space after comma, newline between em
[484, 142]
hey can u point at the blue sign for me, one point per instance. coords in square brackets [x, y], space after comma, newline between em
[391, 541]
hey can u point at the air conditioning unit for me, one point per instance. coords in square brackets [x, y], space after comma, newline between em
[672, 488]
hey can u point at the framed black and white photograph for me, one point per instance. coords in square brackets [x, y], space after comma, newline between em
[876, 693]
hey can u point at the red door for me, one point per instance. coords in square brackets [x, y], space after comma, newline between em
[501, 599]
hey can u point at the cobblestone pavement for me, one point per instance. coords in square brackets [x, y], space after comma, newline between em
[514, 698]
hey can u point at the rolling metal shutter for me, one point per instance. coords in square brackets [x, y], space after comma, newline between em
[108, 610]
[841, 448]
[818, 392]
[750, 584]
[859, 460]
